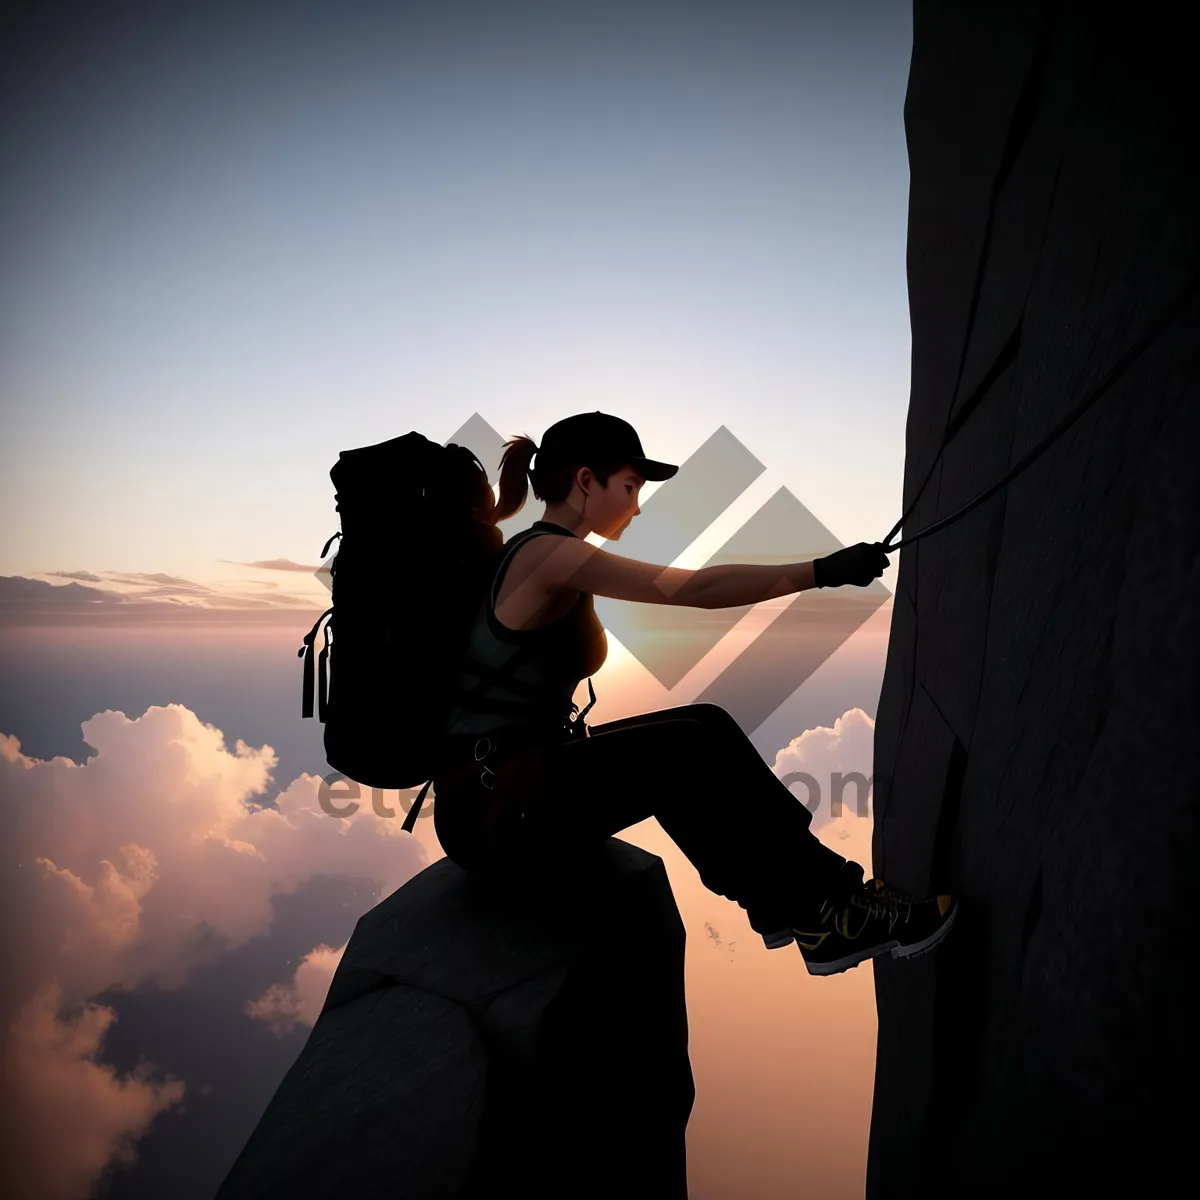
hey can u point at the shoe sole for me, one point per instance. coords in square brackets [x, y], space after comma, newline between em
[776, 941]
[897, 950]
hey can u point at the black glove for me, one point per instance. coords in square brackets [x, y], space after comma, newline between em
[856, 564]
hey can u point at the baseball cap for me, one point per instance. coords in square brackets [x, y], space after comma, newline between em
[602, 438]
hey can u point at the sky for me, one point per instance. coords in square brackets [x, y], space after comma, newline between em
[239, 242]
[239, 239]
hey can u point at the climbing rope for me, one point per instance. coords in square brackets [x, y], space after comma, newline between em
[1121, 366]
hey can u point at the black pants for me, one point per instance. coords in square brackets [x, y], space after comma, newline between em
[691, 767]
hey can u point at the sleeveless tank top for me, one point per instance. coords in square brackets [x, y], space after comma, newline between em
[558, 657]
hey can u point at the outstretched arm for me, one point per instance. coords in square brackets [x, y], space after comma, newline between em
[578, 564]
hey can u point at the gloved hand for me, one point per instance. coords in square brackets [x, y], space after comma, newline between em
[855, 564]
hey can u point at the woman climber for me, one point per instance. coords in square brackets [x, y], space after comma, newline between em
[523, 774]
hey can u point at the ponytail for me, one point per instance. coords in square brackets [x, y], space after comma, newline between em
[514, 476]
[551, 483]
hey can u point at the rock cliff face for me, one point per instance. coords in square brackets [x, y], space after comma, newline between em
[479, 1042]
[1037, 728]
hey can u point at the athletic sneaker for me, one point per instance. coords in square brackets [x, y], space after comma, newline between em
[873, 919]
[850, 876]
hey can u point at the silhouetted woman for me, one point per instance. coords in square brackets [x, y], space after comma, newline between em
[526, 775]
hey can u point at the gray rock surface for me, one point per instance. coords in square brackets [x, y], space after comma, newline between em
[482, 1041]
[1037, 727]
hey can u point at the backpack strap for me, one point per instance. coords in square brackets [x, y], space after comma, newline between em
[411, 820]
[323, 676]
[306, 652]
[587, 708]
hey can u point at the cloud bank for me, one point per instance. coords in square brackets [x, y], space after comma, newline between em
[157, 854]
[150, 599]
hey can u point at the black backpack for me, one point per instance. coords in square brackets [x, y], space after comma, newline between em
[416, 556]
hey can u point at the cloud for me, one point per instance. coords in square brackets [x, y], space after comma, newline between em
[17, 592]
[171, 588]
[274, 564]
[813, 765]
[155, 855]
[299, 1001]
[154, 585]
[86, 576]
[68, 1116]
[156, 599]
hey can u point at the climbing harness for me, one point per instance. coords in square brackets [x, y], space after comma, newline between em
[573, 728]
[1172, 311]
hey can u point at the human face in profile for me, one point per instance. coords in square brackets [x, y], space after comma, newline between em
[605, 511]
[620, 503]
